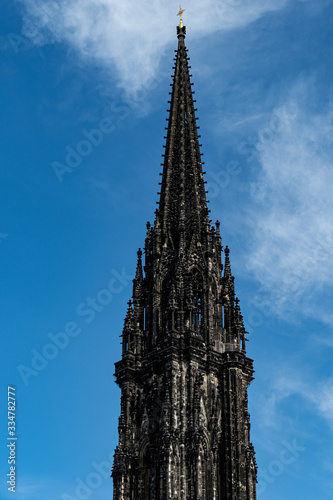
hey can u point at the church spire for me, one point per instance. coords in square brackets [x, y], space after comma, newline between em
[184, 423]
[182, 206]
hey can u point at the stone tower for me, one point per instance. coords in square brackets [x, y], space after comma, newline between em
[184, 428]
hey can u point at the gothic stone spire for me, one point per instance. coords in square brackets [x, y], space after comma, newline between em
[182, 207]
[184, 424]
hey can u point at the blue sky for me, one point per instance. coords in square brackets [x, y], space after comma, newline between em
[84, 90]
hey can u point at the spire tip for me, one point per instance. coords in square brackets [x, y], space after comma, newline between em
[180, 14]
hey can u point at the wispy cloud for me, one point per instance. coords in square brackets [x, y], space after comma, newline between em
[130, 37]
[316, 394]
[292, 206]
[28, 488]
[324, 341]
[319, 395]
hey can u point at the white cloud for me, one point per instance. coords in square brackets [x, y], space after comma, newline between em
[131, 36]
[324, 341]
[292, 224]
[317, 396]
[324, 401]
[276, 393]
[29, 488]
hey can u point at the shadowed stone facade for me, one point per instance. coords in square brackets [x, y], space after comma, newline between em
[184, 428]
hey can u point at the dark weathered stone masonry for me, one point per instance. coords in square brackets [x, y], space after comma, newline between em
[184, 428]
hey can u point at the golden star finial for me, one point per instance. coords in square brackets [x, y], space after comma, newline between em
[180, 14]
